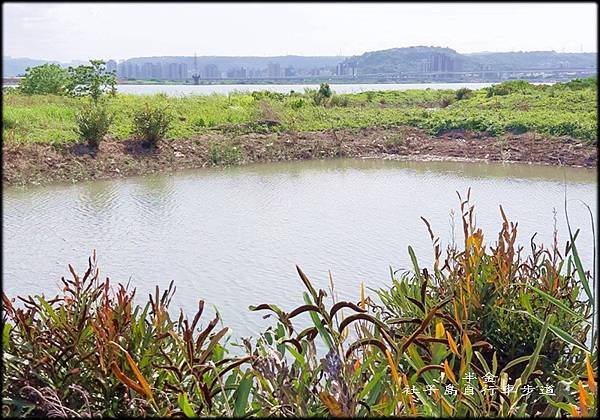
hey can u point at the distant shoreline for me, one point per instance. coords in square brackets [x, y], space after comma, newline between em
[255, 82]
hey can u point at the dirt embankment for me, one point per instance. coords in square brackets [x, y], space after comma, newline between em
[39, 163]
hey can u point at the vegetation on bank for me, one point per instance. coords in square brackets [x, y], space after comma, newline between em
[563, 109]
[482, 331]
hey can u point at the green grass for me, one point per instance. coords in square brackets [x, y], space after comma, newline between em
[563, 109]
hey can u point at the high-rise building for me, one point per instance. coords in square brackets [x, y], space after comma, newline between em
[172, 71]
[111, 66]
[289, 71]
[156, 72]
[237, 73]
[182, 71]
[145, 71]
[346, 69]
[441, 63]
[274, 70]
[211, 71]
[127, 70]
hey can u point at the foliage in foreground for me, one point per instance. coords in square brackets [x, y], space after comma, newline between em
[563, 109]
[482, 332]
[151, 123]
[93, 122]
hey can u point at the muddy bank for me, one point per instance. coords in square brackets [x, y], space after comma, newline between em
[25, 164]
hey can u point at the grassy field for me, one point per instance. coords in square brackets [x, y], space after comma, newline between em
[564, 109]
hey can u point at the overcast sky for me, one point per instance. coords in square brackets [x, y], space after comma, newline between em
[63, 31]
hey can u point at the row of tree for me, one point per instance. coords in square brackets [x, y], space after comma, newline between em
[86, 80]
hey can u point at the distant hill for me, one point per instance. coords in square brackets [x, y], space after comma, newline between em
[16, 66]
[416, 59]
[225, 63]
[534, 60]
[397, 60]
[422, 58]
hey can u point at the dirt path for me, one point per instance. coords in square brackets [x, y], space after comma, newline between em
[25, 164]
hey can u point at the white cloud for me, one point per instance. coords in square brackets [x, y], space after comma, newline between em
[66, 31]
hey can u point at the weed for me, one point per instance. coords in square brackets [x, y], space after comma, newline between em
[152, 123]
[93, 122]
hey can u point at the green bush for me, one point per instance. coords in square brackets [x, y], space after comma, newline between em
[325, 90]
[93, 120]
[225, 153]
[47, 79]
[91, 80]
[339, 100]
[463, 93]
[579, 84]
[152, 122]
[508, 87]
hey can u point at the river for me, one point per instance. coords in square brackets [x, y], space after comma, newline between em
[232, 236]
[182, 90]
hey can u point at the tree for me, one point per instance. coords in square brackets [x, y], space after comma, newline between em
[325, 90]
[92, 80]
[47, 79]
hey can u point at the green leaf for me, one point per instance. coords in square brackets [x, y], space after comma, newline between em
[185, 406]
[6, 336]
[579, 267]
[241, 396]
[318, 324]
[536, 353]
[376, 378]
[296, 355]
[557, 302]
[515, 362]
[48, 309]
[413, 258]
[561, 334]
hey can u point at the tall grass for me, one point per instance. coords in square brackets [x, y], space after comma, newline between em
[568, 109]
[484, 330]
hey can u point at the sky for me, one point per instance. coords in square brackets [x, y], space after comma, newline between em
[80, 31]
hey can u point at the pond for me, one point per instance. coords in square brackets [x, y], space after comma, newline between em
[232, 236]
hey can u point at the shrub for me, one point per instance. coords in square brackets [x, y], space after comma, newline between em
[446, 102]
[266, 94]
[297, 104]
[579, 84]
[92, 351]
[47, 79]
[93, 120]
[151, 123]
[339, 100]
[396, 139]
[225, 153]
[508, 87]
[91, 80]
[325, 90]
[463, 93]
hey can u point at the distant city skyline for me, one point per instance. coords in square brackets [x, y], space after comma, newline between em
[66, 32]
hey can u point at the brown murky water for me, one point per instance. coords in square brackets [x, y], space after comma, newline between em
[232, 236]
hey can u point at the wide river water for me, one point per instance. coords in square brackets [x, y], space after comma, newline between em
[233, 236]
[183, 90]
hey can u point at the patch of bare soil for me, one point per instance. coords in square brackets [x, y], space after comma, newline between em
[25, 164]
